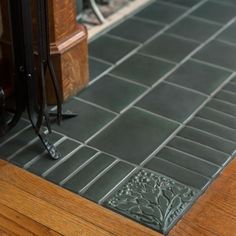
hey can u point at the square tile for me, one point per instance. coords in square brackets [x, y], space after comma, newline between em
[170, 48]
[131, 28]
[226, 96]
[184, 3]
[172, 102]
[34, 150]
[208, 139]
[90, 119]
[162, 13]
[218, 53]
[110, 49]
[178, 173]
[96, 68]
[150, 200]
[134, 136]
[217, 12]
[196, 75]
[213, 128]
[142, 69]
[112, 93]
[70, 165]
[195, 29]
[89, 172]
[229, 34]
[218, 117]
[222, 106]
[108, 181]
[201, 151]
[45, 163]
[188, 161]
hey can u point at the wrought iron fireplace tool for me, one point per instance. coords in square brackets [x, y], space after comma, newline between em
[29, 86]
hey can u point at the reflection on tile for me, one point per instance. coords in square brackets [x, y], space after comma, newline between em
[170, 48]
[89, 172]
[34, 150]
[110, 49]
[108, 181]
[208, 139]
[217, 12]
[188, 161]
[153, 200]
[134, 136]
[229, 34]
[213, 128]
[142, 69]
[194, 29]
[196, 75]
[198, 150]
[177, 172]
[70, 165]
[90, 119]
[96, 68]
[44, 163]
[162, 13]
[131, 28]
[112, 93]
[172, 102]
[218, 117]
[218, 53]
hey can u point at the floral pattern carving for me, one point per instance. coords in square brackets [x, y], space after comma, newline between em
[153, 200]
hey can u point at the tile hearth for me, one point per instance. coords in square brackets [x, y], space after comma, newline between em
[156, 124]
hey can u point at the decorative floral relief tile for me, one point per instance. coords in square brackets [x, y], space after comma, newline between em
[153, 200]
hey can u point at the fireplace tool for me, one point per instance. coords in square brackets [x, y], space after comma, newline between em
[29, 75]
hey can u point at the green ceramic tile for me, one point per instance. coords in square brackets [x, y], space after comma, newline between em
[112, 93]
[231, 87]
[229, 34]
[170, 48]
[34, 150]
[45, 163]
[183, 3]
[200, 151]
[208, 139]
[178, 173]
[194, 29]
[153, 200]
[89, 172]
[108, 181]
[159, 12]
[196, 75]
[70, 165]
[226, 96]
[213, 128]
[134, 136]
[163, 100]
[142, 69]
[218, 117]
[110, 49]
[218, 53]
[131, 28]
[90, 119]
[217, 12]
[188, 161]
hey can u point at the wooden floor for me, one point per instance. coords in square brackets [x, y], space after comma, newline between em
[32, 206]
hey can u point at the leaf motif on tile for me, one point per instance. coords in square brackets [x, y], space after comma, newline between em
[152, 199]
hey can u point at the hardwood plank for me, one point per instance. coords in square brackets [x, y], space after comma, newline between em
[45, 213]
[25, 222]
[72, 203]
[5, 232]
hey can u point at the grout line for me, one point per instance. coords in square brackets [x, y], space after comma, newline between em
[226, 42]
[129, 81]
[102, 173]
[173, 5]
[182, 37]
[224, 101]
[205, 20]
[174, 134]
[149, 21]
[95, 105]
[101, 60]
[211, 64]
[113, 36]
